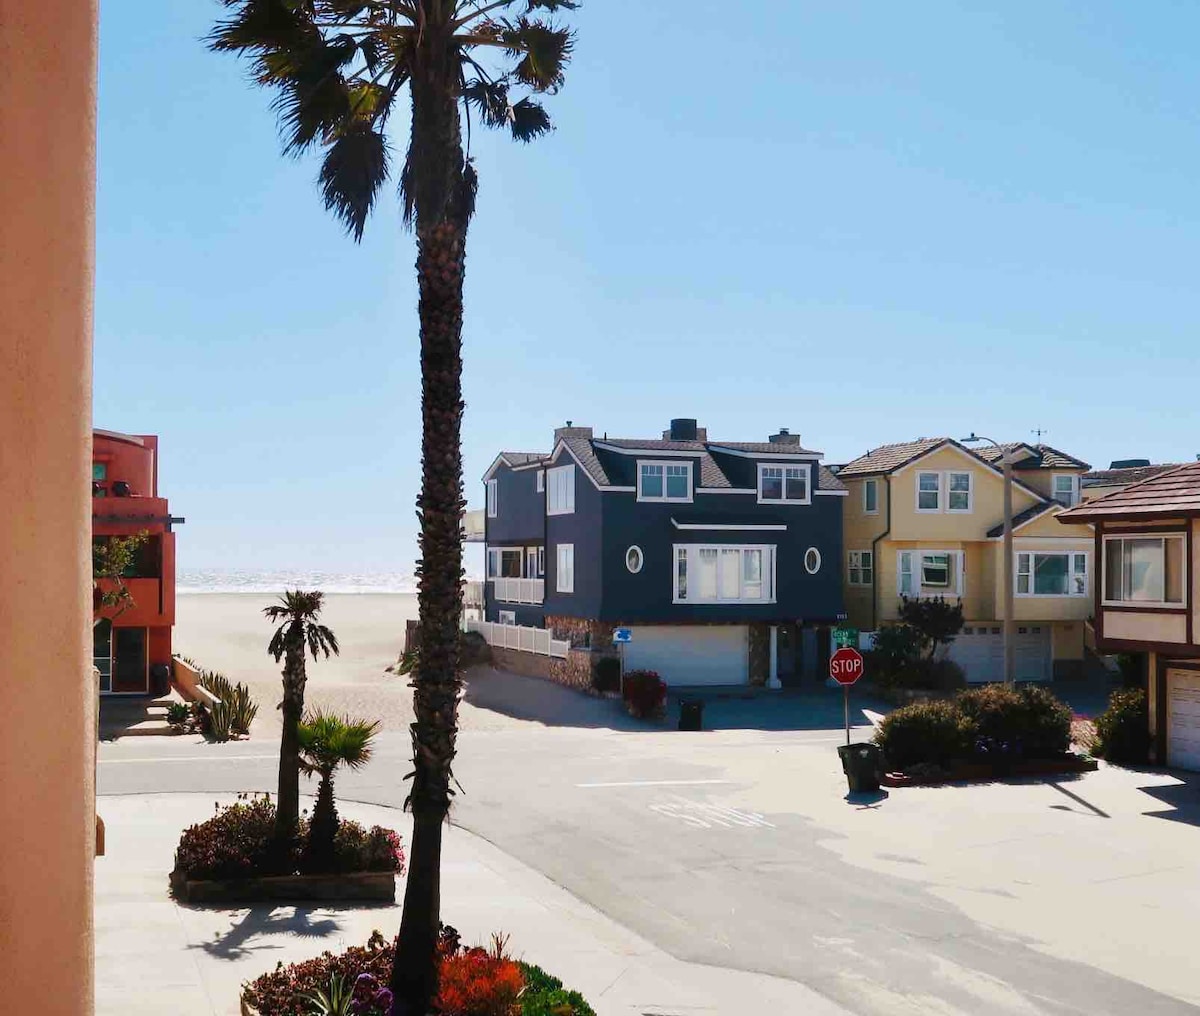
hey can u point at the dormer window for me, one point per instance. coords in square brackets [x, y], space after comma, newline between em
[783, 484]
[664, 481]
[1066, 489]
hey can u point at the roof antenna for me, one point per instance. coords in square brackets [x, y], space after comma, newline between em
[1039, 432]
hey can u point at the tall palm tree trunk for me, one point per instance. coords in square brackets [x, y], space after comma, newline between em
[443, 198]
[287, 804]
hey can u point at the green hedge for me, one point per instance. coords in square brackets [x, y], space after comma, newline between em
[1123, 729]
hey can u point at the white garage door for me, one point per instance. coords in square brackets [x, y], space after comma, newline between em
[691, 654]
[979, 650]
[1183, 719]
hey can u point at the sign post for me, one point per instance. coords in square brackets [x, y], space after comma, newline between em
[621, 637]
[846, 667]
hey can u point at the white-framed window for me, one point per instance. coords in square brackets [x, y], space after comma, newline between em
[508, 617]
[1052, 573]
[929, 492]
[504, 562]
[860, 567]
[541, 481]
[930, 573]
[560, 494]
[812, 560]
[1066, 489]
[783, 484]
[493, 563]
[492, 498]
[541, 562]
[1148, 570]
[564, 578]
[870, 497]
[634, 559]
[721, 573]
[664, 481]
[958, 491]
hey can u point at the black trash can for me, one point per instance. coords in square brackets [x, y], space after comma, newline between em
[861, 764]
[160, 679]
[691, 714]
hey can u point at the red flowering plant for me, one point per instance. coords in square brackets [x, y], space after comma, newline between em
[480, 982]
[645, 693]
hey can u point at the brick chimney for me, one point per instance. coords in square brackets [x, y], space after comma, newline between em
[570, 430]
[784, 437]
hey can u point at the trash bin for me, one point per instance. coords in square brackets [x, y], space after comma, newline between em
[160, 678]
[860, 763]
[691, 714]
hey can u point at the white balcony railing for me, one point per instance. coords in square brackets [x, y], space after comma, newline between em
[520, 637]
[518, 590]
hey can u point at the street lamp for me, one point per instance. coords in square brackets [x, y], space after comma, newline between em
[1008, 554]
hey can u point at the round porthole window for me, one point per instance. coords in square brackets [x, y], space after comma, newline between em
[633, 559]
[812, 560]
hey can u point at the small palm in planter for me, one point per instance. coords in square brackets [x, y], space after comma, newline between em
[326, 742]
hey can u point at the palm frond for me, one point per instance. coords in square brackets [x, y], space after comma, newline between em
[261, 25]
[490, 100]
[327, 741]
[529, 120]
[355, 167]
[544, 50]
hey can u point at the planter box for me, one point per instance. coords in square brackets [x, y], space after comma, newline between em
[976, 772]
[374, 886]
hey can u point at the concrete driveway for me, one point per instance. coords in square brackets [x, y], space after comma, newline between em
[740, 849]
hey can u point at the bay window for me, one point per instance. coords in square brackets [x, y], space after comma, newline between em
[664, 481]
[560, 490]
[783, 484]
[1052, 574]
[724, 574]
[1144, 569]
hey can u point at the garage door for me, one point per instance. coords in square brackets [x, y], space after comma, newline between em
[1183, 719]
[691, 654]
[979, 650]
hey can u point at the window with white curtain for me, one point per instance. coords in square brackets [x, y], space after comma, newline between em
[724, 574]
[929, 573]
[560, 490]
[1052, 574]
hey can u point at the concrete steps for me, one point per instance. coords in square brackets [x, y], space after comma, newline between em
[136, 716]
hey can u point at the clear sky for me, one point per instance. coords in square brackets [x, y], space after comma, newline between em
[867, 222]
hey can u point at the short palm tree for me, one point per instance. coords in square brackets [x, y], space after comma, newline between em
[299, 629]
[339, 68]
[326, 742]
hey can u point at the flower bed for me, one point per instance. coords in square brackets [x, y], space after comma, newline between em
[472, 982]
[232, 857]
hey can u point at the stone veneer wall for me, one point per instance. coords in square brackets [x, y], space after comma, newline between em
[760, 655]
[573, 672]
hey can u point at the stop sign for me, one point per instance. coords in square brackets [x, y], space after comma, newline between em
[846, 665]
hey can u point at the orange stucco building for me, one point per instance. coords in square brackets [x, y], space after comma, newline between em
[132, 644]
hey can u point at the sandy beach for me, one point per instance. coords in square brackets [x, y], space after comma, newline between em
[228, 632]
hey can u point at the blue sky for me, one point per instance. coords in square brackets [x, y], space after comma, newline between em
[866, 222]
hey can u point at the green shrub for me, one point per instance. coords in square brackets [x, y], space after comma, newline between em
[1133, 669]
[930, 675]
[607, 675]
[645, 693]
[473, 649]
[936, 619]
[894, 649]
[178, 714]
[1123, 729]
[1012, 723]
[545, 995]
[934, 732]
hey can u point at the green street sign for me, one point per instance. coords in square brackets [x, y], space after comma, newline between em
[845, 638]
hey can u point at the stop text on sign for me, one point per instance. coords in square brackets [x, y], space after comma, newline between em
[846, 665]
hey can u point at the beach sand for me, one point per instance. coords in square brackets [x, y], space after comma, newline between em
[228, 632]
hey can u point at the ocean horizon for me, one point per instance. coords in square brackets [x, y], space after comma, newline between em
[233, 580]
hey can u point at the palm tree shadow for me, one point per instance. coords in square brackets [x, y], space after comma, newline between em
[268, 922]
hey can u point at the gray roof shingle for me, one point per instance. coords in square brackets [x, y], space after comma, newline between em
[889, 457]
[1176, 492]
[1127, 474]
[1043, 457]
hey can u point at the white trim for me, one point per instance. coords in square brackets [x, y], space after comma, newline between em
[1048, 552]
[874, 483]
[796, 456]
[641, 558]
[493, 498]
[1180, 535]
[1076, 489]
[970, 492]
[812, 550]
[860, 568]
[535, 464]
[558, 569]
[570, 488]
[806, 467]
[563, 446]
[958, 591]
[658, 452]
[540, 482]
[776, 527]
[970, 456]
[664, 465]
[919, 491]
[692, 551]
[726, 490]
[511, 616]
[833, 493]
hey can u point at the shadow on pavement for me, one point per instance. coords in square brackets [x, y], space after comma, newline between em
[272, 919]
[542, 701]
[1182, 798]
[745, 709]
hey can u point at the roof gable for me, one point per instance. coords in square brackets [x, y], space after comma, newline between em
[1176, 492]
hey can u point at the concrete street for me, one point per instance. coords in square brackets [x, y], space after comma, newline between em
[739, 849]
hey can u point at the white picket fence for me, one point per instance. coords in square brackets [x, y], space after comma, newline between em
[519, 590]
[521, 637]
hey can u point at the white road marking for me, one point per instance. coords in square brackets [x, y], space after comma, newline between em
[188, 758]
[656, 783]
[701, 815]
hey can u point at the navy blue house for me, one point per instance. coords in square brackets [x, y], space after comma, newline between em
[724, 557]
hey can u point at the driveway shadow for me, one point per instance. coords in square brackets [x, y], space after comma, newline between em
[1182, 798]
[267, 923]
[541, 700]
[765, 709]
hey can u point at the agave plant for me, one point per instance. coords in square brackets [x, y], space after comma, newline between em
[326, 742]
[334, 1002]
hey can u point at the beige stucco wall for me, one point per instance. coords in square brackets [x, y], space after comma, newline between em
[47, 696]
[1045, 608]
[859, 531]
[1194, 576]
[1144, 627]
[1067, 640]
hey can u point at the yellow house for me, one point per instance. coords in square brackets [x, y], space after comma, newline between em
[926, 518]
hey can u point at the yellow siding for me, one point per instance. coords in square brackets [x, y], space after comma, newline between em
[1047, 525]
[987, 498]
[1038, 479]
[1068, 640]
[858, 532]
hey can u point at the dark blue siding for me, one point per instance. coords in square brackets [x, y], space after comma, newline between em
[519, 508]
[583, 529]
[530, 616]
[647, 595]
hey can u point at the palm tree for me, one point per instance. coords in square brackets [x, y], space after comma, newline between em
[298, 629]
[326, 742]
[338, 68]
